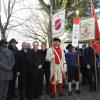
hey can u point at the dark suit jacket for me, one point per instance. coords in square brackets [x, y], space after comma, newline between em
[34, 59]
[22, 63]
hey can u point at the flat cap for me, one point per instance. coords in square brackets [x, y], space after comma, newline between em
[13, 41]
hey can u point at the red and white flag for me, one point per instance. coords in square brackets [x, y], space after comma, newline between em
[93, 14]
[96, 45]
[58, 23]
[76, 31]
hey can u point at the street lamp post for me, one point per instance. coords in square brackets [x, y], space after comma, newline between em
[77, 13]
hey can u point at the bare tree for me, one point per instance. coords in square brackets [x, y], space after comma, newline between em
[8, 17]
[36, 27]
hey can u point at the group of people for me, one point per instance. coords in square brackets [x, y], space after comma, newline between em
[31, 64]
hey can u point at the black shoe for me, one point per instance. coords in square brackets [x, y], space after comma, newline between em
[21, 98]
[30, 99]
[15, 96]
[48, 93]
[70, 93]
[84, 84]
[36, 97]
[9, 98]
[61, 94]
[52, 95]
[77, 91]
[91, 90]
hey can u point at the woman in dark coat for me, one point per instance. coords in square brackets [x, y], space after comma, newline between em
[46, 69]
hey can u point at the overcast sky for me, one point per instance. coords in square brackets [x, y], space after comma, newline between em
[22, 14]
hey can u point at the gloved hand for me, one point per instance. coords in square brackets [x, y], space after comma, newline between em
[40, 67]
[88, 66]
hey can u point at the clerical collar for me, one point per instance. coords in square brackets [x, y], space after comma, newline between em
[25, 50]
[35, 50]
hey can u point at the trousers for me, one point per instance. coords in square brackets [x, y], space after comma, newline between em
[3, 89]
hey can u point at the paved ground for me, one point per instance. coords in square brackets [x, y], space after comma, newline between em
[84, 95]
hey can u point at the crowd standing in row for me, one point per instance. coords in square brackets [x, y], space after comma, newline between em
[31, 64]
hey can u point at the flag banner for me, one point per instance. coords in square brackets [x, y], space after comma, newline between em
[58, 23]
[76, 31]
[96, 45]
[97, 32]
[87, 29]
[93, 14]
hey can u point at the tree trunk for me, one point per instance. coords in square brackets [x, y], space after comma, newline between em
[49, 34]
[50, 28]
[3, 35]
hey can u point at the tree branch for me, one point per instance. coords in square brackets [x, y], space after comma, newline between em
[1, 26]
[45, 6]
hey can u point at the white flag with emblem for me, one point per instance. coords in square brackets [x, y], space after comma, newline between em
[76, 31]
[58, 23]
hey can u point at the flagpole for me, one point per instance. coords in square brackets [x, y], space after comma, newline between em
[52, 27]
[95, 71]
[93, 15]
[50, 22]
[91, 8]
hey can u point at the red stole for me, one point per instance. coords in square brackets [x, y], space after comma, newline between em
[57, 52]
